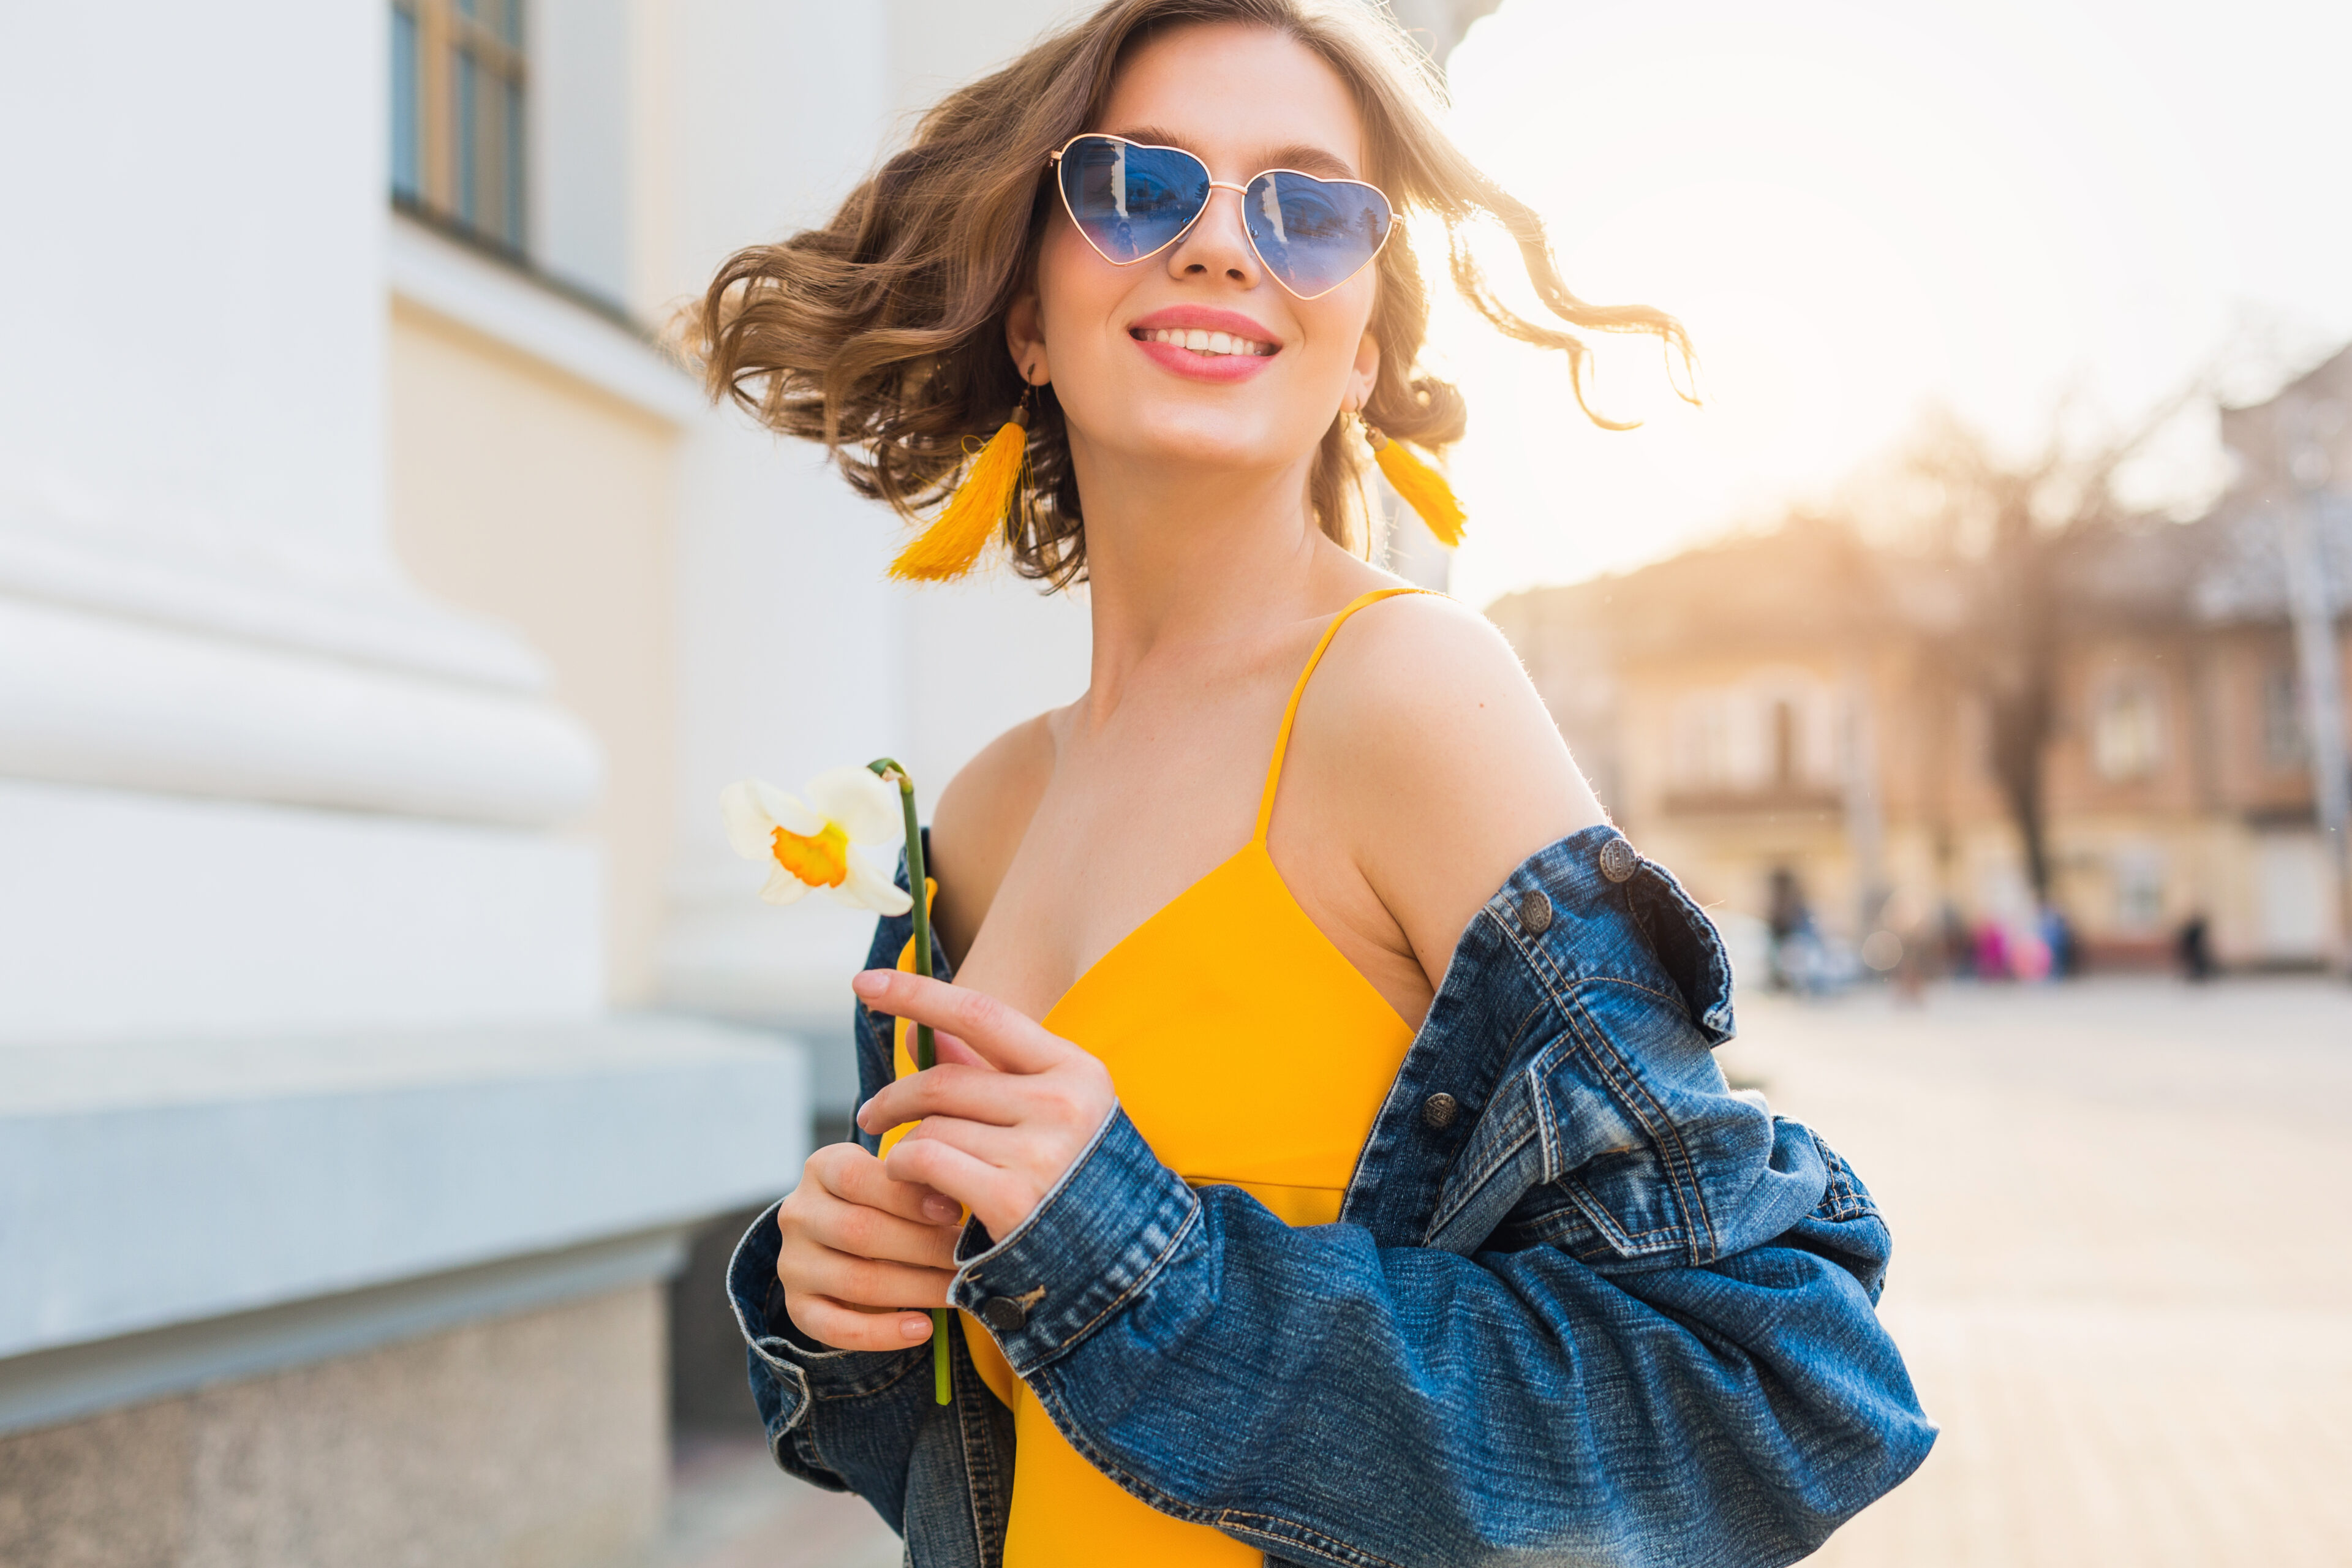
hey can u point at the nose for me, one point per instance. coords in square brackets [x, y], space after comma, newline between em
[1218, 244]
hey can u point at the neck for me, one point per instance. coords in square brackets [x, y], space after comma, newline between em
[1181, 556]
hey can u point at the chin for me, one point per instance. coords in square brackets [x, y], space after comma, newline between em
[1235, 435]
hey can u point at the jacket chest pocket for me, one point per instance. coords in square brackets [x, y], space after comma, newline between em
[1596, 1146]
[1616, 1202]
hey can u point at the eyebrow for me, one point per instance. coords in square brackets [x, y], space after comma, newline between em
[1303, 156]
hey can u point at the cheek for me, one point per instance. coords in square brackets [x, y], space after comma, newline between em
[1077, 290]
[1336, 323]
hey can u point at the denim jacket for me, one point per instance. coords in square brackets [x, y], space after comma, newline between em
[1583, 1304]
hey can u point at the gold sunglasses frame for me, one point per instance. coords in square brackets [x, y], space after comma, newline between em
[1053, 159]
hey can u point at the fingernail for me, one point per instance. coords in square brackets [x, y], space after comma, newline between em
[915, 1328]
[942, 1209]
[869, 982]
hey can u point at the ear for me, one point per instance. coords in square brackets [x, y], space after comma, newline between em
[1025, 336]
[1365, 372]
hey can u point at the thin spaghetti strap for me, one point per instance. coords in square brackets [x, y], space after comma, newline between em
[1282, 736]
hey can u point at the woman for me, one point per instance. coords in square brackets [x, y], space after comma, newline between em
[1327, 1083]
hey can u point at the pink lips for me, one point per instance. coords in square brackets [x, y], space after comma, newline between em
[1197, 366]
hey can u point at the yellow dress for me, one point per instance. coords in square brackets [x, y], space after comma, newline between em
[1229, 983]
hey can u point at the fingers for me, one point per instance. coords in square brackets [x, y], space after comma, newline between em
[861, 1281]
[1000, 1198]
[850, 1174]
[829, 1322]
[853, 1230]
[955, 1052]
[1003, 1037]
[992, 1144]
[971, 1093]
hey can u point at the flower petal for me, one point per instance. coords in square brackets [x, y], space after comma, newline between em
[791, 813]
[749, 826]
[869, 890]
[866, 808]
[784, 888]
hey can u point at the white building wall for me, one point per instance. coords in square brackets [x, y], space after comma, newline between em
[796, 654]
[279, 872]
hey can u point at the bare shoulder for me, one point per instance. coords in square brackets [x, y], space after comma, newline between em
[979, 820]
[1425, 746]
[1422, 676]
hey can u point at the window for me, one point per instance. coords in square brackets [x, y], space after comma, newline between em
[1703, 741]
[457, 112]
[2126, 731]
[2137, 874]
[2283, 749]
[1784, 743]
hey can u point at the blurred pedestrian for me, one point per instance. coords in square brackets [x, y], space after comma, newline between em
[1790, 922]
[2194, 947]
[1990, 954]
[2058, 936]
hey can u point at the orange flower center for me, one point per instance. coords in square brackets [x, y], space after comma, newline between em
[820, 861]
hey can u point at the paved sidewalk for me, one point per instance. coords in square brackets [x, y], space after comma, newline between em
[732, 1508]
[2121, 1274]
[2123, 1278]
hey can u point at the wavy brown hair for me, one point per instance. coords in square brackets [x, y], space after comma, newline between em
[882, 334]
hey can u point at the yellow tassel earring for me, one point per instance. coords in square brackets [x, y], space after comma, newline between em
[950, 546]
[1424, 488]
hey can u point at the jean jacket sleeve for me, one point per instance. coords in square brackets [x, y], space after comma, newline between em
[1627, 1317]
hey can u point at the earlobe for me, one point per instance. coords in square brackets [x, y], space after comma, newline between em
[1367, 372]
[1024, 337]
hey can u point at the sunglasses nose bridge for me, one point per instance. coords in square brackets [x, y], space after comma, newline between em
[1195, 231]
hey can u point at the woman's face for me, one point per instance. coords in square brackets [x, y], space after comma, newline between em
[1243, 99]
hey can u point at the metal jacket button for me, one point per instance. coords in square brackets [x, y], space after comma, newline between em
[1618, 860]
[1003, 1314]
[1535, 912]
[1438, 1111]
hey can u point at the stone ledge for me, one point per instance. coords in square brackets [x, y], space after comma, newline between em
[250, 1175]
[52, 1386]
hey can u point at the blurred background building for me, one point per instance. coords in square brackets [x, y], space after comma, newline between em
[2093, 733]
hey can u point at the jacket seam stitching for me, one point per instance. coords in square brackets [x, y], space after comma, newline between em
[1149, 1272]
[863, 1389]
[1558, 984]
[1193, 1513]
[1607, 1060]
[1307, 1536]
[1473, 1186]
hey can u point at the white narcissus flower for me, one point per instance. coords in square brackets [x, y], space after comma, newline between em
[806, 844]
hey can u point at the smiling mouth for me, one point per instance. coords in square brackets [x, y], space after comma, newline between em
[1209, 344]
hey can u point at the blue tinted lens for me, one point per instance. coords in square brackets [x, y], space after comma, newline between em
[1314, 235]
[1129, 200]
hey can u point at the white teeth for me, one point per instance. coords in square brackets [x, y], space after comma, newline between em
[1207, 343]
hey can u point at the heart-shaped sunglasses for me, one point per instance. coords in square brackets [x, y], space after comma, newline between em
[1132, 200]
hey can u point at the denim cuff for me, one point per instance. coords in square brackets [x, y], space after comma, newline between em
[789, 1369]
[1091, 1245]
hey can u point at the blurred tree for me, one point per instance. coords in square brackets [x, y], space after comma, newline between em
[2021, 538]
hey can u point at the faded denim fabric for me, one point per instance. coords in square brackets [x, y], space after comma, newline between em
[1610, 1313]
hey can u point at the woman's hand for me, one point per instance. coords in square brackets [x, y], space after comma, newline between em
[857, 1249]
[1004, 1113]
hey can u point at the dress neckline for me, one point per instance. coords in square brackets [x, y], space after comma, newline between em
[1257, 838]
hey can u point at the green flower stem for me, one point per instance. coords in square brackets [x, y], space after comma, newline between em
[926, 1050]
